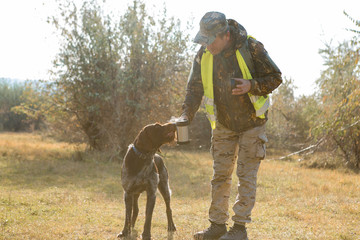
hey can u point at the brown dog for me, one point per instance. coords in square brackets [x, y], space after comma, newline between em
[143, 170]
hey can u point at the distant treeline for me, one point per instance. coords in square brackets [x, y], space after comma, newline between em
[11, 96]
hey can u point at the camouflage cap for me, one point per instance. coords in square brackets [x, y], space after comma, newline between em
[211, 24]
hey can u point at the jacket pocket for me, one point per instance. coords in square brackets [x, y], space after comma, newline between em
[261, 146]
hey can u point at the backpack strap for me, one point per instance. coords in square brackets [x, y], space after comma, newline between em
[245, 53]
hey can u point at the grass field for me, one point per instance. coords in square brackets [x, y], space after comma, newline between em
[53, 190]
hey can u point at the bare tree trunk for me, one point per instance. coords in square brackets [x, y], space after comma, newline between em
[357, 151]
[338, 143]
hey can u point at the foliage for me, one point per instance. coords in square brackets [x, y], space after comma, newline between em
[32, 103]
[10, 96]
[115, 77]
[38, 103]
[290, 118]
[340, 97]
[330, 118]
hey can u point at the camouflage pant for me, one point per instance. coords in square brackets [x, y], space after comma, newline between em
[246, 149]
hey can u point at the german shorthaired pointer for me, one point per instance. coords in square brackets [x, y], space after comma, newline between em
[144, 170]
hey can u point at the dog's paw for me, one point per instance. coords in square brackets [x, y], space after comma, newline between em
[123, 234]
[145, 237]
[171, 228]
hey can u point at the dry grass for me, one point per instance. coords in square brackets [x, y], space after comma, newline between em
[51, 191]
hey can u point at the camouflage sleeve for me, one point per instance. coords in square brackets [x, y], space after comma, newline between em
[194, 90]
[267, 75]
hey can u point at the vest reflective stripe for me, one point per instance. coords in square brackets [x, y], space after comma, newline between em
[207, 80]
[208, 101]
[260, 103]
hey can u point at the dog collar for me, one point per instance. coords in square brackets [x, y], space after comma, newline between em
[141, 154]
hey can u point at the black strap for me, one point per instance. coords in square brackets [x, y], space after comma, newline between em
[245, 53]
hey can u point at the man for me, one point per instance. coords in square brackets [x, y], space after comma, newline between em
[237, 115]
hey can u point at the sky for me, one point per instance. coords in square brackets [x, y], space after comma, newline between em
[291, 31]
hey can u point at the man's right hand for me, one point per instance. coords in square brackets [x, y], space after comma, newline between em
[183, 118]
[242, 86]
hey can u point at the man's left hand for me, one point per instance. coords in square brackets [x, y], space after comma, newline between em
[242, 86]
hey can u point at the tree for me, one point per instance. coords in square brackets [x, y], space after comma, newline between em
[290, 118]
[37, 103]
[116, 77]
[340, 96]
[10, 96]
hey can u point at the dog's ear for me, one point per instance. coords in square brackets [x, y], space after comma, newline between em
[142, 140]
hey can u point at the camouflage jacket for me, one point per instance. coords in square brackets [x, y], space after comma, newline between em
[234, 112]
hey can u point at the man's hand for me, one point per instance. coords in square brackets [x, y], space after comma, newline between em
[242, 86]
[183, 118]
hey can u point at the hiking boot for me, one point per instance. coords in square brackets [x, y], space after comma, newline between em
[211, 233]
[236, 232]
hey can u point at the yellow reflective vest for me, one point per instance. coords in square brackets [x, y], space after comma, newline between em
[260, 103]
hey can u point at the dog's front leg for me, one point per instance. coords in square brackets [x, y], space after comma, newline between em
[135, 209]
[128, 209]
[171, 225]
[150, 204]
[165, 192]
